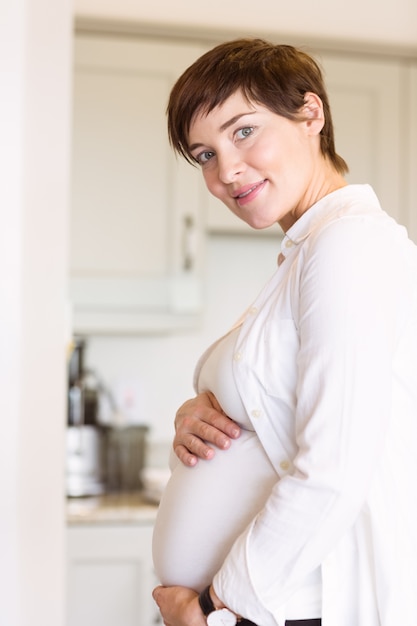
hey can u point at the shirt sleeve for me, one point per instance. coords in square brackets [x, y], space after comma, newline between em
[348, 318]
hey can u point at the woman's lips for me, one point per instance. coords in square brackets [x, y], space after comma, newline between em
[246, 194]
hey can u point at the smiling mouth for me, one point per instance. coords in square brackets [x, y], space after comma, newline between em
[248, 191]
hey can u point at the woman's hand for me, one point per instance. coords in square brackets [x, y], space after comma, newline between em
[179, 606]
[200, 422]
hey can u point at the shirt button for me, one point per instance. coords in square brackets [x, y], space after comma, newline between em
[253, 310]
[256, 413]
[289, 243]
[284, 465]
[237, 356]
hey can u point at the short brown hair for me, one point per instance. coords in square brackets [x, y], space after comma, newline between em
[275, 76]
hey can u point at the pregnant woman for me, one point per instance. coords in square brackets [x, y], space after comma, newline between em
[311, 515]
[204, 509]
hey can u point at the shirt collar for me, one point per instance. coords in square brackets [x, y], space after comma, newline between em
[336, 203]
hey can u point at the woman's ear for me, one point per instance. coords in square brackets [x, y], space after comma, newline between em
[312, 112]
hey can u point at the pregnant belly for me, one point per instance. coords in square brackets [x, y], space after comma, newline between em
[204, 508]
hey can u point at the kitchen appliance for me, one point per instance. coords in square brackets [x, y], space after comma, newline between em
[85, 468]
[85, 452]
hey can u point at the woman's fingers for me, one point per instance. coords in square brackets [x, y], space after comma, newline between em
[200, 424]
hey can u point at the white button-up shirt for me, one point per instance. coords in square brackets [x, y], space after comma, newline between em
[326, 366]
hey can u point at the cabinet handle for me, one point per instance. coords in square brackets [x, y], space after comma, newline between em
[188, 243]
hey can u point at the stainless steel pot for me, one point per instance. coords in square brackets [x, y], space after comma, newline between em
[125, 457]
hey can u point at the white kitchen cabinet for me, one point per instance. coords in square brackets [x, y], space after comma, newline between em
[110, 576]
[136, 224]
[367, 105]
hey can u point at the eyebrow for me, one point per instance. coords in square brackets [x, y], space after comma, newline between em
[223, 127]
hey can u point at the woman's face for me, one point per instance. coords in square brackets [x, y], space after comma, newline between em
[261, 165]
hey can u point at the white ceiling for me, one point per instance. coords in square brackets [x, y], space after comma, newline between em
[392, 22]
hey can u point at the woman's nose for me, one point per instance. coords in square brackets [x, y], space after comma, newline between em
[229, 167]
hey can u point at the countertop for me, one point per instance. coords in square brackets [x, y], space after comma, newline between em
[111, 508]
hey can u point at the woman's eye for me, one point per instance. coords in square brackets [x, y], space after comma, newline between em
[203, 157]
[242, 133]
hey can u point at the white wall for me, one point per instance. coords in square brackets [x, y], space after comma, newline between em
[393, 22]
[35, 70]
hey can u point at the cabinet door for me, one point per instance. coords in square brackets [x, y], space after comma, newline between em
[135, 215]
[365, 98]
[110, 576]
